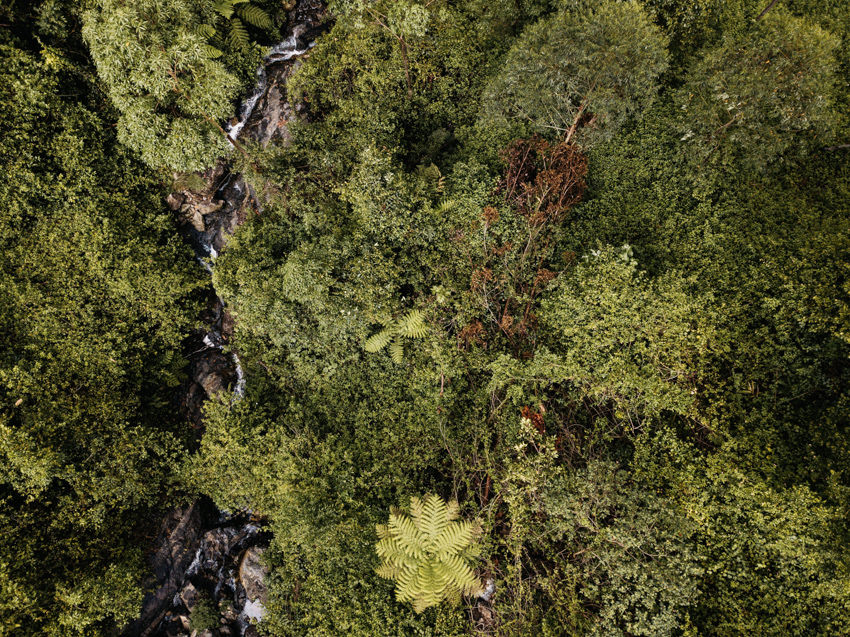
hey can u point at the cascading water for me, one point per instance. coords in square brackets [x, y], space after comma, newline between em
[282, 52]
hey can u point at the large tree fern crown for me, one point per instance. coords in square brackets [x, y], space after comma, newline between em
[428, 553]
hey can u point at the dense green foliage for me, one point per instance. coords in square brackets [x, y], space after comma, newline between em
[580, 266]
[764, 93]
[97, 294]
[603, 60]
[162, 78]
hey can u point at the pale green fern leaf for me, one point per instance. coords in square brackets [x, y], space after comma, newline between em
[412, 325]
[454, 538]
[379, 341]
[397, 351]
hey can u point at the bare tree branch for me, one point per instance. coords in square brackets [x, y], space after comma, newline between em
[766, 9]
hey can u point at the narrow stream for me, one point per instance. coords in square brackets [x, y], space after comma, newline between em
[206, 563]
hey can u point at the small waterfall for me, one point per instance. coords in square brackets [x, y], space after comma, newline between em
[213, 338]
[286, 50]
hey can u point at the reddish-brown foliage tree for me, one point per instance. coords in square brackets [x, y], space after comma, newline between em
[543, 181]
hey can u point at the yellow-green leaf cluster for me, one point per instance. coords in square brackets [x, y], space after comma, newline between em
[411, 325]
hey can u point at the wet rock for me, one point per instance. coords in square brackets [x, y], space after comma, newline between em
[252, 575]
[176, 626]
[189, 596]
[175, 200]
[213, 373]
[176, 543]
[210, 372]
[273, 111]
[191, 215]
[227, 326]
[485, 619]
[209, 207]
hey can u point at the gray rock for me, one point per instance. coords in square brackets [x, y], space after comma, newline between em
[175, 200]
[192, 216]
[208, 207]
[252, 575]
[176, 545]
[189, 596]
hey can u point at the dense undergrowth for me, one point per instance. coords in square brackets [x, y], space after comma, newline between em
[621, 228]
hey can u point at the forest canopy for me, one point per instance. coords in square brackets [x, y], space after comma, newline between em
[542, 308]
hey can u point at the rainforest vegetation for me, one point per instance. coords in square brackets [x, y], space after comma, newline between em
[544, 314]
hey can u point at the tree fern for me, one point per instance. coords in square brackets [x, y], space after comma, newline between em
[236, 14]
[411, 325]
[428, 553]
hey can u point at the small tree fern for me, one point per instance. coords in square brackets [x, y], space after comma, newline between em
[411, 325]
[428, 553]
[235, 15]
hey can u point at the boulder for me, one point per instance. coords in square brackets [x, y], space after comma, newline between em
[208, 207]
[252, 575]
[192, 216]
[189, 596]
[175, 200]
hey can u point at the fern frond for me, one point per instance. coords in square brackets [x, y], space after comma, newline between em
[412, 325]
[224, 8]
[206, 31]
[446, 205]
[387, 571]
[459, 574]
[452, 510]
[397, 352]
[408, 536]
[238, 35]
[416, 507]
[453, 538]
[254, 15]
[210, 52]
[379, 341]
